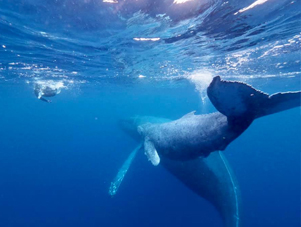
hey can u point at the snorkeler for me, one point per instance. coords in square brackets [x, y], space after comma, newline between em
[41, 91]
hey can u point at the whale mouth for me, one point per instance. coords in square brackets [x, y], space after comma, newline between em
[126, 124]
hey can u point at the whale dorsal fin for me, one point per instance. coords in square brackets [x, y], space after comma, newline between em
[151, 152]
[190, 114]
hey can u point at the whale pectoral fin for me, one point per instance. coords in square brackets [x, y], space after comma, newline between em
[151, 152]
[212, 178]
[115, 184]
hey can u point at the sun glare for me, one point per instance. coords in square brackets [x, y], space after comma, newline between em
[110, 1]
[181, 1]
[146, 39]
[258, 2]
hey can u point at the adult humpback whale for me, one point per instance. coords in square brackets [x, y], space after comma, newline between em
[210, 177]
[186, 146]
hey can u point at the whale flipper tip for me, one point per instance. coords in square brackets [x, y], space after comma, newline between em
[151, 152]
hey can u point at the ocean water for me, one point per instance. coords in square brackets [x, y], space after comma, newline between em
[116, 59]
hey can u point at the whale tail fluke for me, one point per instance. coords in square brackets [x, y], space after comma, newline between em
[279, 102]
[237, 99]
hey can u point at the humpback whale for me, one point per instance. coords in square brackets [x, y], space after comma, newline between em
[192, 136]
[190, 147]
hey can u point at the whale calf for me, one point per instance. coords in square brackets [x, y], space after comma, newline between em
[192, 136]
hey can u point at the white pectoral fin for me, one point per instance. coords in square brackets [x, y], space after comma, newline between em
[122, 171]
[151, 152]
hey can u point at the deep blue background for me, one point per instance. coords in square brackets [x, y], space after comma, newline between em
[57, 161]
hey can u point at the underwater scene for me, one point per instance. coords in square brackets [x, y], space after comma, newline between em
[150, 113]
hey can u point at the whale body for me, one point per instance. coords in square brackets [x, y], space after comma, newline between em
[192, 136]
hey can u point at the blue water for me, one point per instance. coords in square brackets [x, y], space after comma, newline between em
[57, 159]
